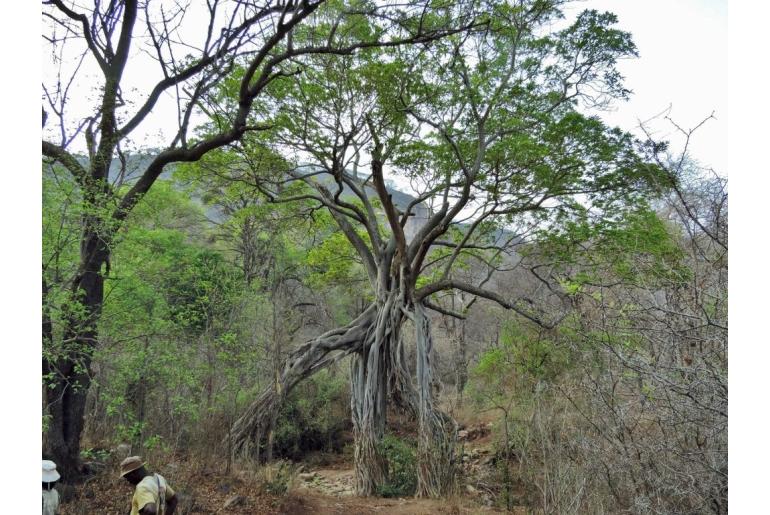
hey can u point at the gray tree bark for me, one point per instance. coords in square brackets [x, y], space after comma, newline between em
[312, 356]
[378, 373]
[438, 431]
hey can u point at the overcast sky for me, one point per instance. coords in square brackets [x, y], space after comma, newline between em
[683, 63]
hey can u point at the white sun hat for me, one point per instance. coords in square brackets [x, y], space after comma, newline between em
[49, 472]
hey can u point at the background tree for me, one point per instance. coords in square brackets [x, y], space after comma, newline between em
[624, 405]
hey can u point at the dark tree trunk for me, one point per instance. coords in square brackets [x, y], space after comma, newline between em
[66, 405]
[69, 374]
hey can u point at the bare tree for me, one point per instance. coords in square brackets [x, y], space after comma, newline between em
[649, 336]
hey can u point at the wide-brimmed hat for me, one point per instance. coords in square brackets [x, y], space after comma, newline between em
[130, 464]
[50, 474]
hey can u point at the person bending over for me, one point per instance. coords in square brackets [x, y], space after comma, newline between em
[152, 495]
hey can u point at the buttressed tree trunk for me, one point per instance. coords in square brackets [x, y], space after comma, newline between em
[368, 402]
[379, 373]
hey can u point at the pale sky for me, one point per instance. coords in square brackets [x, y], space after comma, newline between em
[682, 63]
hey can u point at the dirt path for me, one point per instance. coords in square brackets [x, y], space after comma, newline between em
[312, 503]
[327, 491]
[328, 481]
[330, 491]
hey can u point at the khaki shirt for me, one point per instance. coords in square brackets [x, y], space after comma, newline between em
[147, 492]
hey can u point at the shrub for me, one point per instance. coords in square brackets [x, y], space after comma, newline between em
[402, 467]
[277, 478]
[94, 454]
[313, 417]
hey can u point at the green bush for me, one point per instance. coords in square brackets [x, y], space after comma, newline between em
[313, 417]
[94, 454]
[402, 467]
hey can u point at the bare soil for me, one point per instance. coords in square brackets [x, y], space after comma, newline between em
[311, 503]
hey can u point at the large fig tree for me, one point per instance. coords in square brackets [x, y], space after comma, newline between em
[488, 127]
